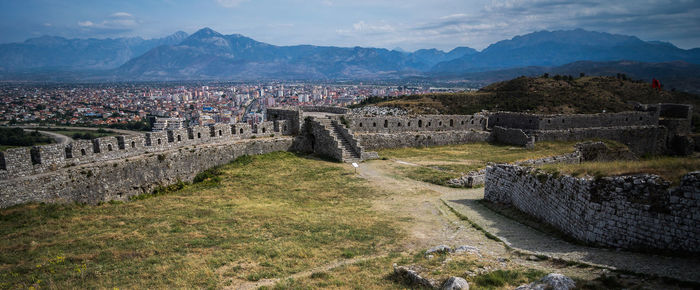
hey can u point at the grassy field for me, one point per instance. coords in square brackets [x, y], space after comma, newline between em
[266, 216]
[669, 168]
[442, 163]
[72, 132]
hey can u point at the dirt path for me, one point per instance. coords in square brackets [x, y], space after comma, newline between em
[60, 139]
[430, 226]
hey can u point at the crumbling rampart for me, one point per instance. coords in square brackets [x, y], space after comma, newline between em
[634, 212]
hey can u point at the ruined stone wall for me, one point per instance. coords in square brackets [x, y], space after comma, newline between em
[677, 111]
[19, 162]
[512, 136]
[119, 179]
[375, 141]
[632, 212]
[388, 124]
[527, 121]
[325, 109]
[640, 140]
[323, 143]
[292, 117]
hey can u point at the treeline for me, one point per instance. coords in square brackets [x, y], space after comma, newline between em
[89, 135]
[18, 137]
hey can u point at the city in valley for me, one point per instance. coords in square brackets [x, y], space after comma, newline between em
[343, 144]
[189, 103]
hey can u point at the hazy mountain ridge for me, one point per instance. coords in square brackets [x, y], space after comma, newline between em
[554, 48]
[208, 54]
[52, 52]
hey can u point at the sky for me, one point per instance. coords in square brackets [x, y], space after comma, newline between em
[405, 24]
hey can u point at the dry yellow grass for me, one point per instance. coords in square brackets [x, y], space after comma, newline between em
[669, 168]
[266, 216]
[442, 163]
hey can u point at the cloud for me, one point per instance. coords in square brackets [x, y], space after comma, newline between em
[364, 28]
[87, 23]
[121, 15]
[117, 22]
[230, 3]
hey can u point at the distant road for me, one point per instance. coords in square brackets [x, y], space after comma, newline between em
[120, 131]
[59, 138]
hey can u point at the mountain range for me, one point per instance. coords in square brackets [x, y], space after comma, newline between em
[207, 54]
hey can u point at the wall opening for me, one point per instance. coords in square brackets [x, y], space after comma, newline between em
[220, 133]
[190, 133]
[462, 122]
[360, 125]
[440, 124]
[95, 146]
[386, 123]
[409, 124]
[429, 124]
[36, 155]
[170, 137]
[133, 144]
[212, 132]
[148, 139]
[69, 152]
[82, 152]
[179, 138]
[158, 141]
[472, 122]
[284, 128]
[398, 124]
[263, 129]
[2, 162]
[241, 130]
[233, 129]
[109, 147]
[199, 135]
[420, 123]
[120, 142]
[374, 124]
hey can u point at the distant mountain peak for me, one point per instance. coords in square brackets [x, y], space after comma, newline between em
[205, 32]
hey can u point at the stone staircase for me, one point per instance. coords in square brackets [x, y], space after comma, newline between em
[348, 146]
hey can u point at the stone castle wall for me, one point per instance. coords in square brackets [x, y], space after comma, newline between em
[25, 161]
[639, 139]
[633, 212]
[375, 141]
[121, 178]
[388, 124]
[527, 121]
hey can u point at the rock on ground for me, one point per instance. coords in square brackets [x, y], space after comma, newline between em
[413, 278]
[552, 281]
[455, 283]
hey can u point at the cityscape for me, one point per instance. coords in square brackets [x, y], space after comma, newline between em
[204, 103]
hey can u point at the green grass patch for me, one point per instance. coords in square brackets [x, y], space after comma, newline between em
[501, 279]
[439, 164]
[268, 216]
